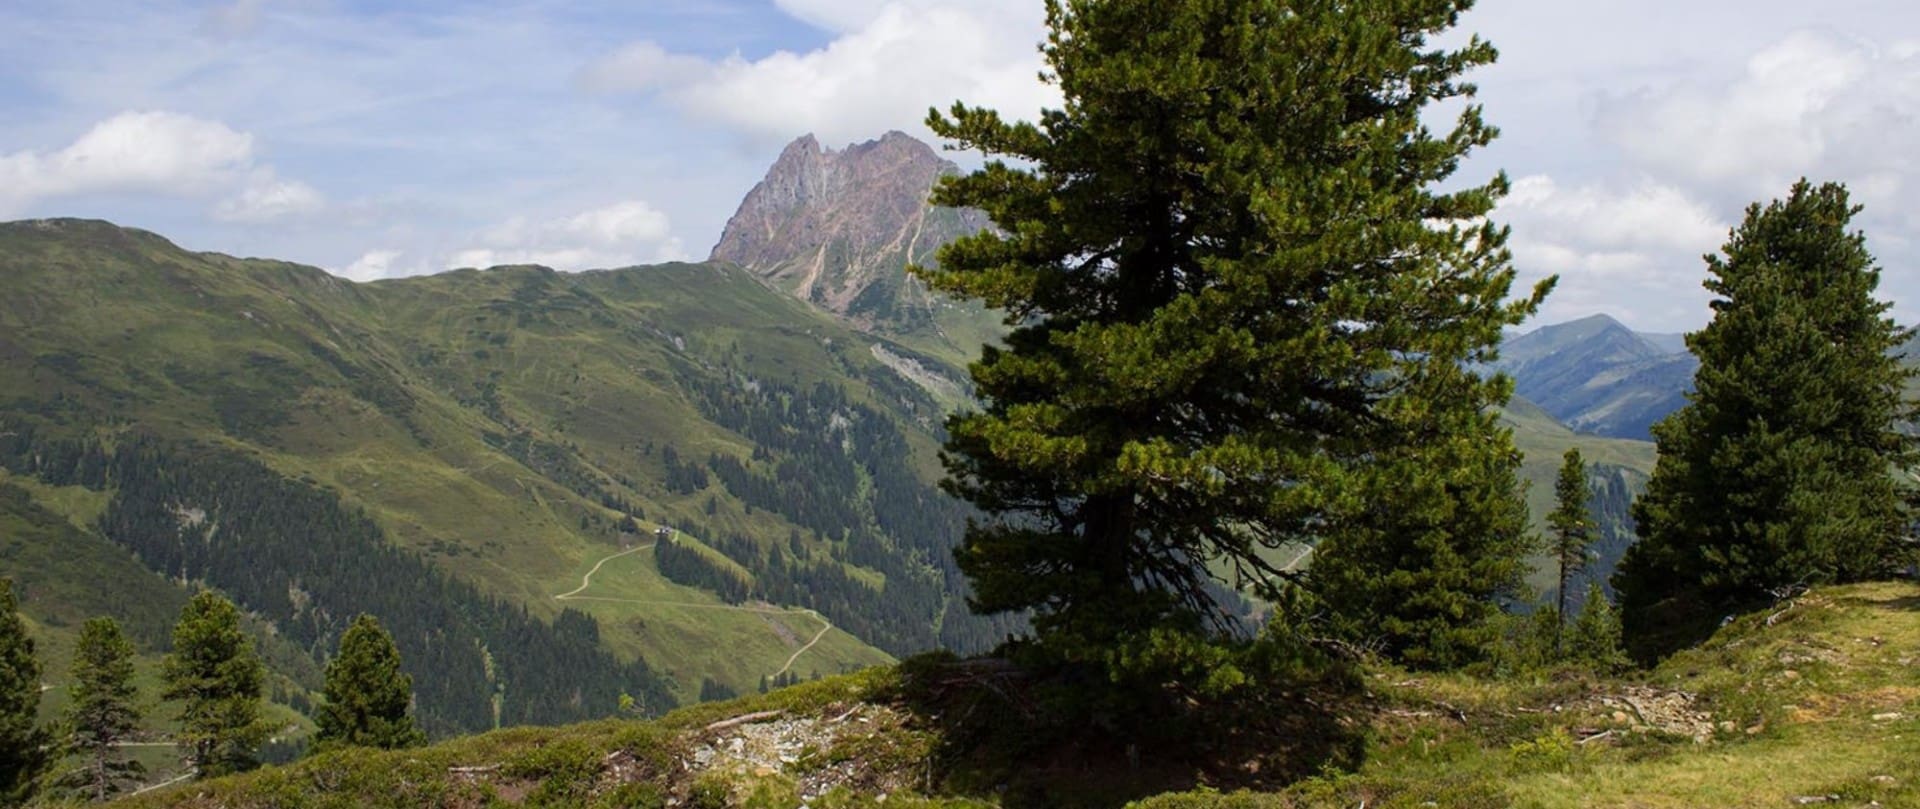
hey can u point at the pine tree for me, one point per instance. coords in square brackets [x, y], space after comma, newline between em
[1776, 473]
[1572, 529]
[24, 742]
[102, 710]
[367, 696]
[1241, 318]
[1595, 639]
[216, 677]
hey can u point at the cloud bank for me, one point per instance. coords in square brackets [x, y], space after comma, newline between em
[157, 153]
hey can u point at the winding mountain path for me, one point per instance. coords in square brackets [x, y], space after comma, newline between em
[587, 581]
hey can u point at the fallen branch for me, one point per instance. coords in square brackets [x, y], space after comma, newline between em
[1596, 737]
[167, 783]
[1790, 594]
[474, 770]
[744, 719]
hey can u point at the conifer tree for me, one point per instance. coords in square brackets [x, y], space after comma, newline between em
[367, 696]
[24, 742]
[216, 677]
[1572, 529]
[102, 709]
[1595, 639]
[1776, 473]
[1241, 313]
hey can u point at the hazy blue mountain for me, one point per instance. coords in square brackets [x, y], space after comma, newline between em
[1597, 376]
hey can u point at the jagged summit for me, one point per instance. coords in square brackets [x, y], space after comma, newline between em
[839, 227]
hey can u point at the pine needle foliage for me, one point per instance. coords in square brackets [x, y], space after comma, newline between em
[24, 741]
[1242, 314]
[1778, 472]
[368, 697]
[215, 675]
[1595, 637]
[103, 710]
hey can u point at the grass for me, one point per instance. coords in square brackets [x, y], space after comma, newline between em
[718, 636]
[1822, 704]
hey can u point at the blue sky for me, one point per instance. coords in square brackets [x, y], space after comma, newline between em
[379, 139]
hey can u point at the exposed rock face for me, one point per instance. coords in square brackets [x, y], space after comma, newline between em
[838, 228]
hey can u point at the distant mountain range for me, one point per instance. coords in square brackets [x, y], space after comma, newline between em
[1597, 376]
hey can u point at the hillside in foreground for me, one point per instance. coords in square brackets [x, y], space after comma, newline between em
[1814, 702]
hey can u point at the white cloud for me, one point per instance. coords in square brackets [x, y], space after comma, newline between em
[1814, 103]
[621, 234]
[834, 15]
[132, 151]
[892, 62]
[642, 67]
[267, 198]
[157, 152]
[1651, 216]
[622, 222]
[1635, 252]
[371, 265]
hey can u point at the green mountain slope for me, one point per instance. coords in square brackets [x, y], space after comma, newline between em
[65, 574]
[513, 429]
[1619, 468]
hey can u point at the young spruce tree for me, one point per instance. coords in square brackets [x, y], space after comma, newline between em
[1572, 529]
[1777, 472]
[24, 742]
[1595, 636]
[102, 709]
[216, 677]
[1242, 317]
[367, 696]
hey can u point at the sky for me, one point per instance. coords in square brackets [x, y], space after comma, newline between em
[380, 139]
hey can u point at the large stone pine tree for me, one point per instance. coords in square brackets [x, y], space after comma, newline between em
[1780, 469]
[1241, 307]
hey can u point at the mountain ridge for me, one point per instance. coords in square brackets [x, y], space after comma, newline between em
[1598, 376]
[836, 228]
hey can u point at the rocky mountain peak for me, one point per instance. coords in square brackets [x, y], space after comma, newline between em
[839, 227]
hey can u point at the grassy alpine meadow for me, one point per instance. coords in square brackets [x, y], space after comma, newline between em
[1813, 702]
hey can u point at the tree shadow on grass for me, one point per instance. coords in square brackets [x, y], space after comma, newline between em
[1030, 740]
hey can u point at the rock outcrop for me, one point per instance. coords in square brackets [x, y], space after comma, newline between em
[838, 228]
